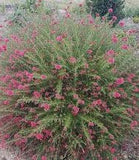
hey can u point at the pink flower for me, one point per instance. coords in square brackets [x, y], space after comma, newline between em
[111, 60]
[125, 46]
[114, 18]
[75, 110]
[121, 23]
[91, 20]
[43, 158]
[6, 40]
[97, 14]
[89, 51]
[29, 75]
[67, 15]
[91, 124]
[80, 101]
[114, 158]
[86, 65]
[6, 102]
[80, 5]
[72, 60]
[103, 18]
[58, 66]
[111, 137]
[43, 77]
[20, 53]
[48, 133]
[75, 96]
[114, 38]
[10, 92]
[6, 136]
[21, 87]
[33, 124]
[3, 48]
[110, 52]
[120, 81]
[36, 94]
[112, 150]
[133, 124]
[58, 96]
[46, 107]
[39, 136]
[59, 38]
[97, 102]
[136, 90]
[131, 75]
[34, 157]
[110, 10]
[116, 95]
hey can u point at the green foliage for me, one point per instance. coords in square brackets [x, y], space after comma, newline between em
[136, 19]
[102, 6]
[131, 11]
[2, 8]
[30, 7]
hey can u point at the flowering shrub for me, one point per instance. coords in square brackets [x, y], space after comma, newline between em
[68, 88]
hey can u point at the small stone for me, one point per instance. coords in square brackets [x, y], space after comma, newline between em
[125, 156]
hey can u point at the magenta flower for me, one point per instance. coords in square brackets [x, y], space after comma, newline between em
[43, 77]
[110, 10]
[36, 94]
[43, 158]
[75, 96]
[80, 101]
[91, 124]
[114, 38]
[59, 38]
[6, 102]
[48, 133]
[112, 150]
[10, 92]
[21, 87]
[3, 48]
[121, 23]
[110, 52]
[67, 15]
[39, 136]
[33, 124]
[133, 124]
[20, 53]
[58, 66]
[114, 18]
[89, 51]
[72, 60]
[75, 110]
[125, 47]
[46, 107]
[34, 157]
[111, 60]
[96, 102]
[120, 81]
[116, 95]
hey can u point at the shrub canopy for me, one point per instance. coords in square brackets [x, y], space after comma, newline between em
[68, 87]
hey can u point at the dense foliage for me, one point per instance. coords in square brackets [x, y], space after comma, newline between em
[64, 92]
[21, 11]
[102, 7]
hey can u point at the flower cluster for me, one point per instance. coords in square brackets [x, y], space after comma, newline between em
[62, 90]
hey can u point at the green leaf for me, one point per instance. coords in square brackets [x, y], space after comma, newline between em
[59, 86]
[68, 121]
